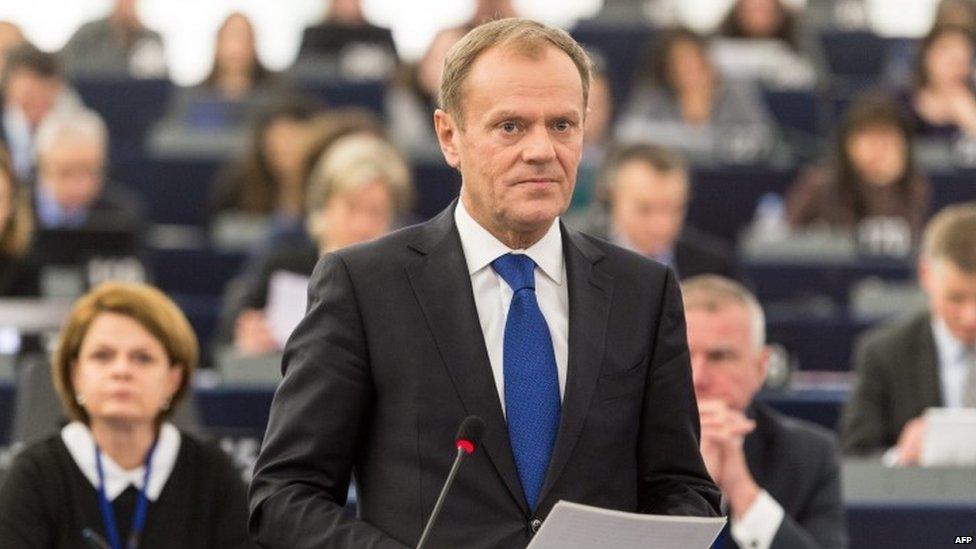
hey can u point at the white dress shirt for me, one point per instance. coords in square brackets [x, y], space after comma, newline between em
[81, 445]
[758, 526]
[953, 367]
[492, 295]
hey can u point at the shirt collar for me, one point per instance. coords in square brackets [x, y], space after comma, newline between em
[947, 346]
[81, 445]
[481, 247]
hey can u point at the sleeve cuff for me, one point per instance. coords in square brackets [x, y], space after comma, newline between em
[890, 457]
[758, 526]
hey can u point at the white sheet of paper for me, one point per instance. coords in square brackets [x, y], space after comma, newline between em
[950, 437]
[287, 299]
[575, 526]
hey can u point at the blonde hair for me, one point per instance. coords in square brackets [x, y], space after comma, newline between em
[525, 36]
[350, 163]
[951, 235]
[712, 293]
[146, 305]
[15, 235]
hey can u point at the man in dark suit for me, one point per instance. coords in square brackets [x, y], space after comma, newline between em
[643, 198]
[780, 475]
[78, 216]
[927, 360]
[572, 351]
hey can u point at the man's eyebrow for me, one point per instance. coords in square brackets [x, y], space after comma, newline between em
[507, 113]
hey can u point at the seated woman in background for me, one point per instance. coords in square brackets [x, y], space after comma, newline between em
[18, 277]
[870, 174]
[120, 471]
[681, 101]
[238, 84]
[266, 181]
[761, 20]
[943, 101]
[237, 70]
[357, 189]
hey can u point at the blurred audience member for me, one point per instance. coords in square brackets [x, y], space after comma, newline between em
[762, 40]
[32, 89]
[357, 189]
[925, 360]
[490, 10]
[71, 192]
[267, 179]
[411, 100]
[870, 175]
[645, 191]
[344, 37]
[596, 134]
[120, 470]
[761, 20]
[10, 36]
[116, 45]
[680, 100]
[943, 100]
[779, 475]
[956, 13]
[237, 70]
[17, 276]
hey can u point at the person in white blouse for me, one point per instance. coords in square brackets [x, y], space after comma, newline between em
[119, 475]
[780, 476]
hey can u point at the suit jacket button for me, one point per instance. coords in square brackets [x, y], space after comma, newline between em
[535, 525]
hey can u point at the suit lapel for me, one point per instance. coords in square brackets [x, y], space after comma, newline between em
[589, 306]
[443, 289]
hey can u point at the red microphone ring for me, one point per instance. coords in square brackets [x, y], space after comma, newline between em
[464, 444]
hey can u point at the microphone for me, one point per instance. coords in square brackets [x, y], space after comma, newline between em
[94, 540]
[466, 441]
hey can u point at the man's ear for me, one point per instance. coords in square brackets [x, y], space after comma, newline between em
[447, 130]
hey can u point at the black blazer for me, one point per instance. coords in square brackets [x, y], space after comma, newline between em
[798, 464]
[897, 379]
[391, 357]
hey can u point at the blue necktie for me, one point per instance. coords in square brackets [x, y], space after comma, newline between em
[531, 383]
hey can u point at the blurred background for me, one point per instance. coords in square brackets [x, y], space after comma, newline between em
[203, 146]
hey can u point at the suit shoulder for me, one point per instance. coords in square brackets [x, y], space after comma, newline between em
[897, 335]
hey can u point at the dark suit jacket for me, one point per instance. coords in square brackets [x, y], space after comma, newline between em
[897, 379]
[391, 357]
[798, 464]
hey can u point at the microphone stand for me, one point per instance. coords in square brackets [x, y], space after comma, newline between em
[440, 499]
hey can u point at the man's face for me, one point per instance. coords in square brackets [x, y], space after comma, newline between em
[32, 93]
[648, 206]
[725, 363]
[522, 138]
[72, 173]
[952, 297]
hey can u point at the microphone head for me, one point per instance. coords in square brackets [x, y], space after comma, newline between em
[469, 434]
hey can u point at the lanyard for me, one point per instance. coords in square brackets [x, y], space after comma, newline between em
[108, 514]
